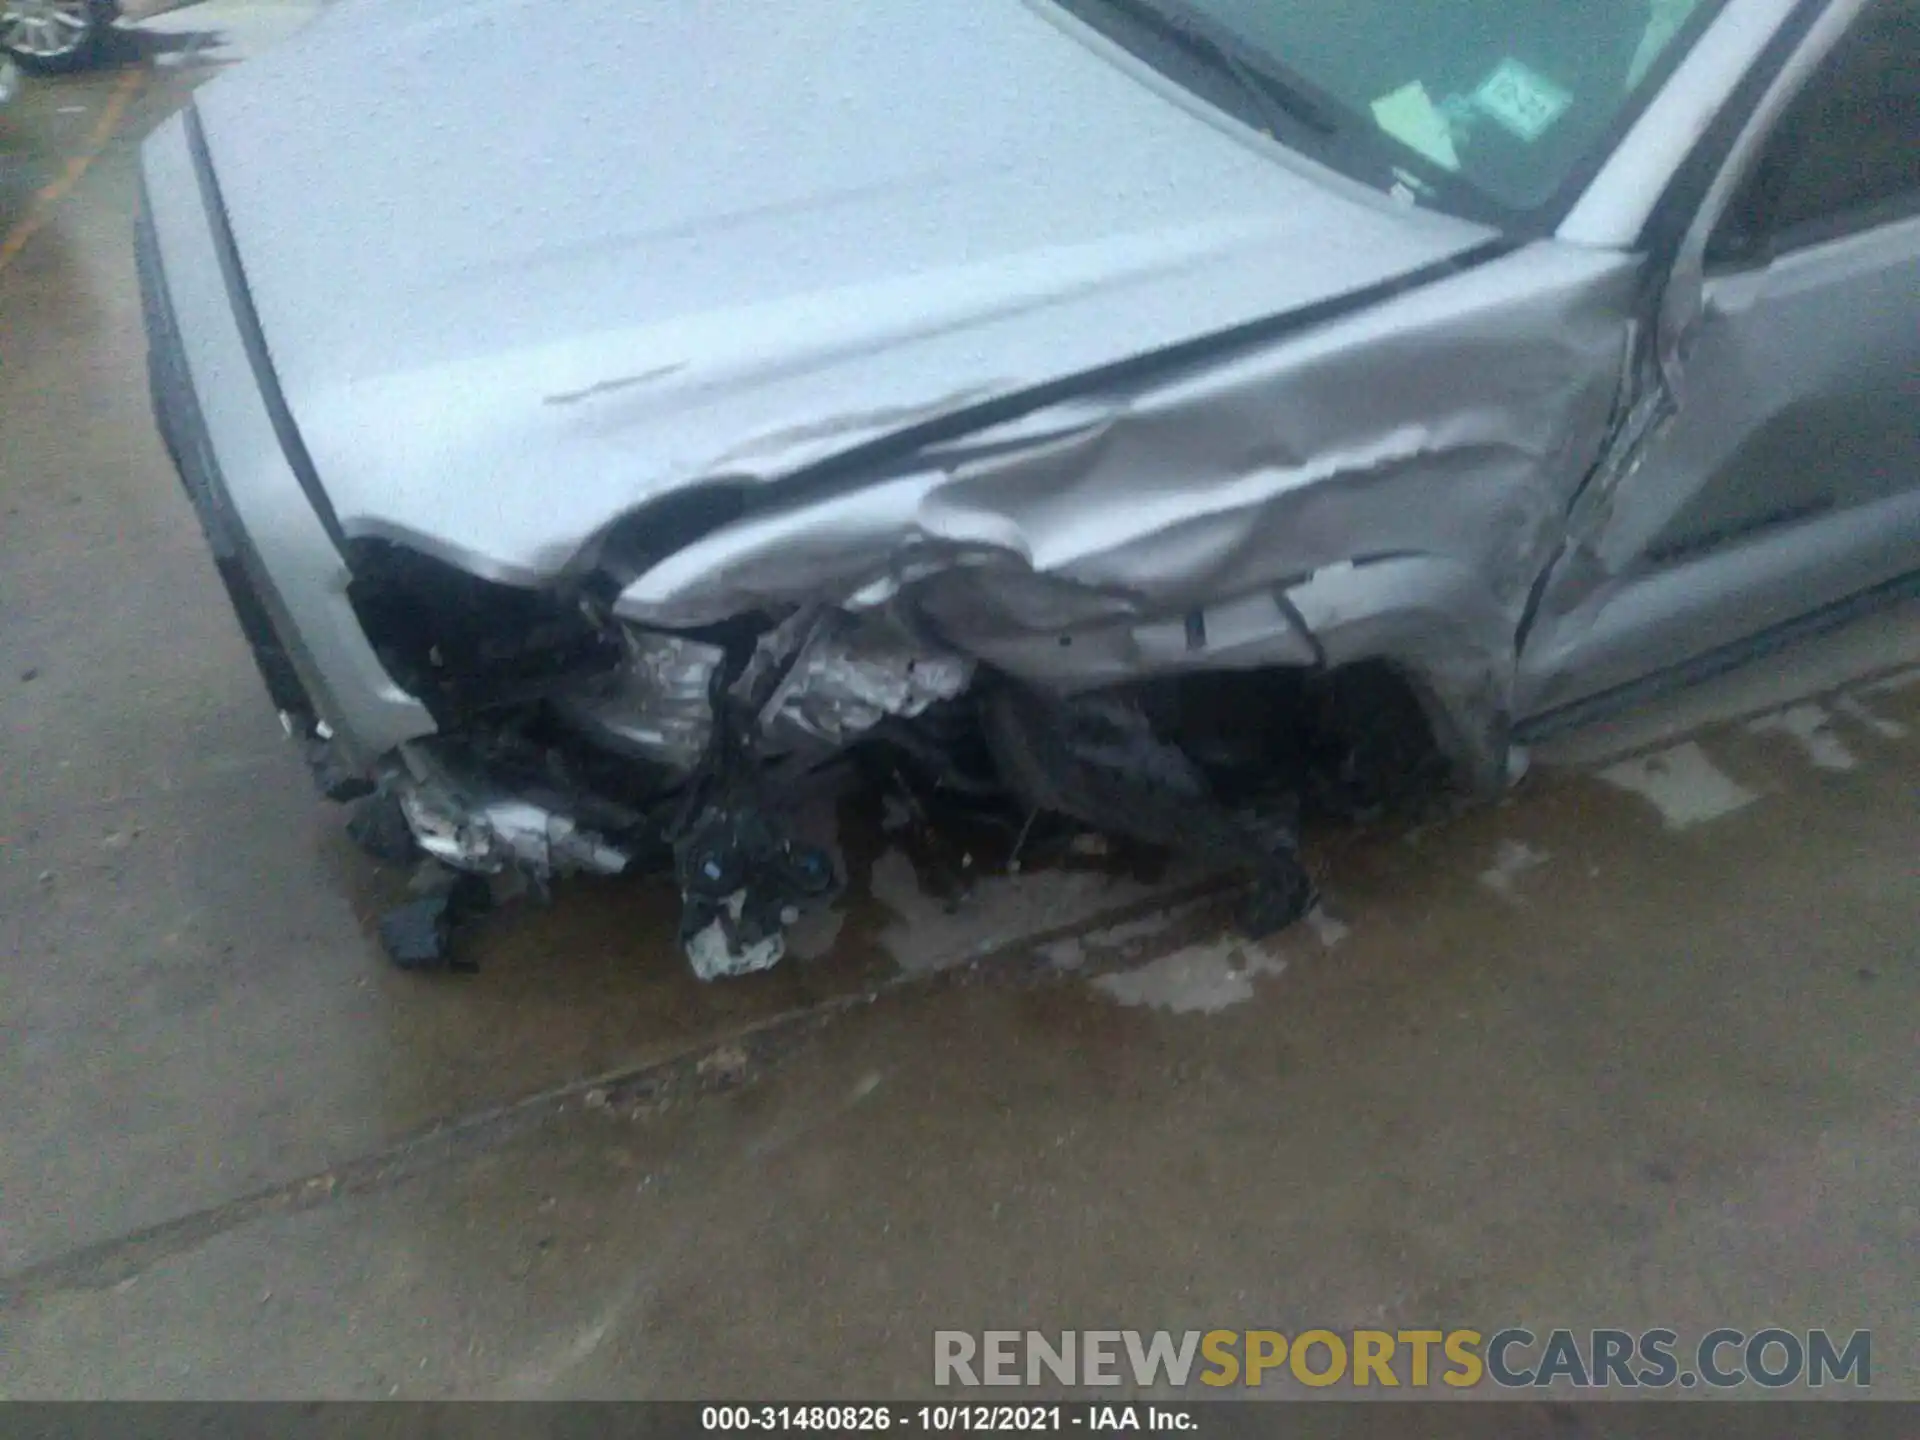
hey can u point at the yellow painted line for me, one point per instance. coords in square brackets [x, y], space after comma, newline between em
[57, 189]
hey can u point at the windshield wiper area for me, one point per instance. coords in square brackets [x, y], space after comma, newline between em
[1277, 102]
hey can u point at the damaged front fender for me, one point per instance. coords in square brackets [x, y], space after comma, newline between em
[1389, 485]
[1384, 490]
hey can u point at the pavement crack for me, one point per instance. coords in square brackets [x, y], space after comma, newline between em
[717, 1063]
[110, 1262]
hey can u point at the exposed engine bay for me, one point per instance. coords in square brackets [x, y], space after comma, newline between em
[1027, 606]
[1173, 591]
[647, 751]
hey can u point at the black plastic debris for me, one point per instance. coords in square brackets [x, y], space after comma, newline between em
[742, 882]
[422, 934]
[379, 827]
[1098, 759]
[333, 779]
[743, 878]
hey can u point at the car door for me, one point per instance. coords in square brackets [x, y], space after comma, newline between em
[1781, 482]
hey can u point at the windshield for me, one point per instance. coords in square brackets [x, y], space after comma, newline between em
[1512, 98]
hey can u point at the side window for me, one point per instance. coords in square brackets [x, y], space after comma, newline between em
[1846, 153]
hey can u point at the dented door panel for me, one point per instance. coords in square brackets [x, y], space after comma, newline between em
[1783, 479]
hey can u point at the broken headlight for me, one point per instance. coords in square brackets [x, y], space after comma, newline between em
[465, 645]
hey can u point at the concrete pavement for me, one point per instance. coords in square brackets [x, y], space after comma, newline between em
[1657, 1075]
[1635, 1047]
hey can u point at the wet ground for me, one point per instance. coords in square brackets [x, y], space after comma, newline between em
[1635, 1047]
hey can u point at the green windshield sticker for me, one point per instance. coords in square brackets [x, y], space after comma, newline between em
[1522, 100]
[1408, 114]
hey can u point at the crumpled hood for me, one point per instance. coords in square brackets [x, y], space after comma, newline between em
[524, 265]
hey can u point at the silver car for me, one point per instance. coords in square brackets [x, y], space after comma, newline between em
[49, 36]
[1154, 410]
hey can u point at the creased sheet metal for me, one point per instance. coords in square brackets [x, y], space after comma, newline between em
[1387, 486]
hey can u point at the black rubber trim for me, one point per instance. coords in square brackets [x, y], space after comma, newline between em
[252, 337]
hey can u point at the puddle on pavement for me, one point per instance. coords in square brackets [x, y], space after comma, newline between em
[1205, 977]
[1811, 727]
[595, 982]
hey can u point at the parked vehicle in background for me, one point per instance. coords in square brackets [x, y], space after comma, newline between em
[1125, 403]
[49, 36]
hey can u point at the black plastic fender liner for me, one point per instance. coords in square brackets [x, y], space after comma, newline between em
[1096, 759]
[464, 644]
